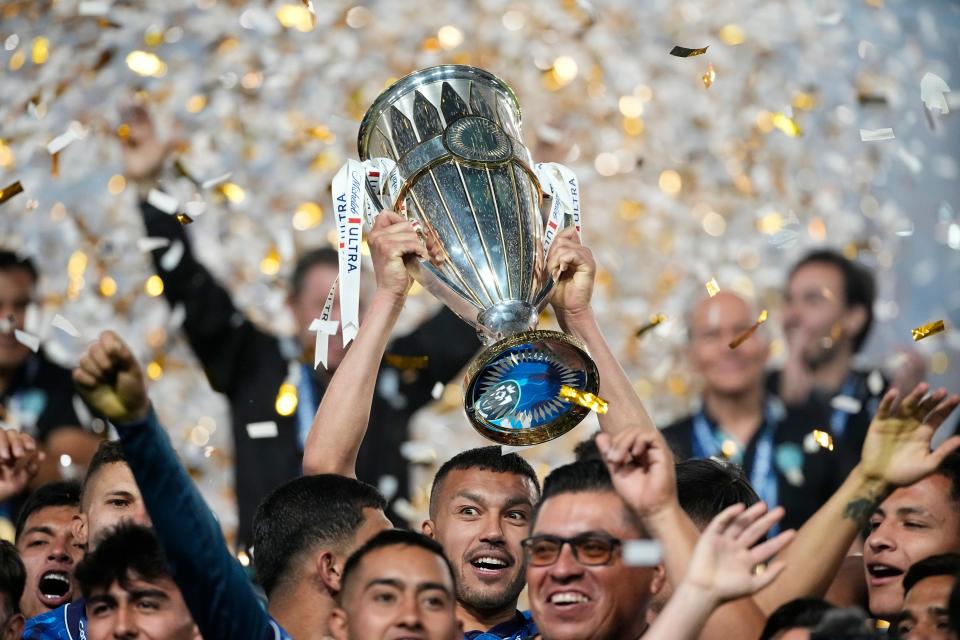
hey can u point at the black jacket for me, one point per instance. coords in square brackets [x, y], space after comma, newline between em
[247, 365]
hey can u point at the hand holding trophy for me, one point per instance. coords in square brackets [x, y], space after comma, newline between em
[442, 147]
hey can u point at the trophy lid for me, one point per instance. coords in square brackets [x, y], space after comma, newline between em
[421, 77]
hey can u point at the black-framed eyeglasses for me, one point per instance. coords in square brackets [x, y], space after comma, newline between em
[590, 549]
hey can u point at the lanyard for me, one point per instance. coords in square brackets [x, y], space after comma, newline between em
[707, 441]
[307, 405]
[839, 418]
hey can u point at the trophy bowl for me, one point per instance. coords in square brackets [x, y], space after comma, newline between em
[449, 137]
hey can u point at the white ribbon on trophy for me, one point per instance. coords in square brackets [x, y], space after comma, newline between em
[561, 187]
[349, 206]
[325, 327]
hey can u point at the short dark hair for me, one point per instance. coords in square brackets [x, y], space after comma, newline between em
[944, 564]
[52, 494]
[13, 577]
[303, 514]
[804, 613]
[392, 538]
[489, 458]
[128, 550]
[582, 477]
[9, 261]
[321, 256]
[844, 624]
[109, 452]
[587, 449]
[705, 487]
[859, 286]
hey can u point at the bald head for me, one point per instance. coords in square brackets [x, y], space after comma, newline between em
[712, 324]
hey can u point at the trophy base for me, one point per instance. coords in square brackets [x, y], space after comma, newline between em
[512, 390]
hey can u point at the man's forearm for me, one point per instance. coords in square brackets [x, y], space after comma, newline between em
[818, 550]
[341, 420]
[684, 616]
[626, 409]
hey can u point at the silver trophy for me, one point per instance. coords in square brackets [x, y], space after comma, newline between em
[450, 136]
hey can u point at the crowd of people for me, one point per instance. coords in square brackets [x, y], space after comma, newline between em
[775, 511]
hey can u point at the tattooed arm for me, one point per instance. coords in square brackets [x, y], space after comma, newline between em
[896, 452]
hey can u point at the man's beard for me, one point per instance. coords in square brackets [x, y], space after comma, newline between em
[487, 600]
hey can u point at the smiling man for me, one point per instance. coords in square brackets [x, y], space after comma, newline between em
[481, 505]
[397, 585]
[580, 587]
[48, 547]
[912, 523]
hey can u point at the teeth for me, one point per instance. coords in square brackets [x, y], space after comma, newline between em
[56, 576]
[568, 597]
[488, 560]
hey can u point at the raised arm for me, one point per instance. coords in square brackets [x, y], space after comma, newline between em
[571, 302]
[213, 584]
[218, 332]
[642, 470]
[722, 568]
[896, 452]
[341, 420]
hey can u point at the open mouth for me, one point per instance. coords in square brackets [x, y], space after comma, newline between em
[567, 598]
[881, 574]
[55, 587]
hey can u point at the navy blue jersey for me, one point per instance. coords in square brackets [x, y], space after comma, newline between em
[68, 622]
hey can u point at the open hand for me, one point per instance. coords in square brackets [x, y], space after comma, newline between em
[642, 469]
[723, 562]
[575, 269]
[110, 380]
[392, 240]
[896, 449]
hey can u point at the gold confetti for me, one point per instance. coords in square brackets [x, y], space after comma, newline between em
[683, 52]
[712, 287]
[739, 340]
[584, 399]
[929, 329]
[709, 76]
[655, 319]
[286, 402]
[10, 190]
[823, 438]
[787, 125]
[728, 448]
[183, 218]
[398, 361]
[55, 164]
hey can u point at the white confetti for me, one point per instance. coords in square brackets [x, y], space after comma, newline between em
[213, 182]
[875, 382]
[846, 404]
[933, 90]
[162, 201]
[873, 135]
[388, 486]
[94, 7]
[62, 141]
[258, 430]
[437, 391]
[172, 256]
[149, 244]
[28, 340]
[642, 553]
[417, 452]
[65, 325]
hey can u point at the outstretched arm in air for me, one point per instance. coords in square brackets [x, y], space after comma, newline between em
[341, 420]
[571, 301]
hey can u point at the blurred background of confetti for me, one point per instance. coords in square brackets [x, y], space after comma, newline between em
[725, 165]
